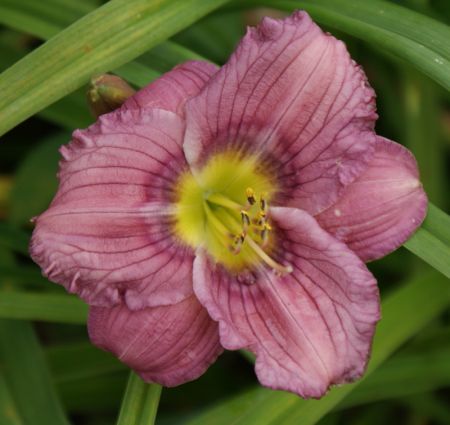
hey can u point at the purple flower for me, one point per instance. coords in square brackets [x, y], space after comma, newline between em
[235, 208]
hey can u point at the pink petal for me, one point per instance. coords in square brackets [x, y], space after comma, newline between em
[108, 233]
[310, 328]
[169, 345]
[172, 89]
[291, 94]
[382, 208]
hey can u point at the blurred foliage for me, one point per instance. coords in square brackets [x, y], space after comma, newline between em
[50, 374]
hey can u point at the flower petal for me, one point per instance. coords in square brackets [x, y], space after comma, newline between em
[169, 345]
[310, 328]
[172, 89]
[291, 94]
[382, 208]
[108, 233]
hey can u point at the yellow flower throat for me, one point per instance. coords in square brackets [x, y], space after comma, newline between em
[224, 208]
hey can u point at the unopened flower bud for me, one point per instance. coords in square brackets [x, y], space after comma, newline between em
[106, 93]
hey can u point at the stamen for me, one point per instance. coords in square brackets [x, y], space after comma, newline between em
[250, 196]
[261, 219]
[245, 220]
[267, 259]
[229, 223]
[263, 202]
[265, 234]
[238, 241]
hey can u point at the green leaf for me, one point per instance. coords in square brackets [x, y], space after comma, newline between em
[30, 195]
[161, 58]
[405, 374]
[9, 53]
[69, 112]
[415, 38]
[86, 361]
[43, 307]
[28, 275]
[44, 19]
[140, 402]
[429, 406]
[431, 249]
[404, 314]
[215, 37]
[421, 111]
[13, 238]
[437, 222]
[95, 394]
[165, 56]
[124, 29]
[8, 410]
[27, 376]
[136, 73]
[432, 241]
[87, 378]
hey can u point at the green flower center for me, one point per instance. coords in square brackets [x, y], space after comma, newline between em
[224, 208]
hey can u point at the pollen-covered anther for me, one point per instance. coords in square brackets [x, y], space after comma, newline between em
[265, 234]
[260, 220]
[245, 220]
[237, 243]
[263, 202]
[251, 199]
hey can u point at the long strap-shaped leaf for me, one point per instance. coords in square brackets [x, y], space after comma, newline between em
[405, 312]
[431, 242]
[42, 19]
[42, 307]
[44, 23]
[421, 41]
[140, 402]
[104, 39]
[27, 376]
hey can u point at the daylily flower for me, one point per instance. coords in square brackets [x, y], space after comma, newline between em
[235, 208]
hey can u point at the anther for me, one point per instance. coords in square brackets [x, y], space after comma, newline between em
[265, 234]
[237, 243]
[261, 219]
[245, 220]
[250, 196]
[263, 202]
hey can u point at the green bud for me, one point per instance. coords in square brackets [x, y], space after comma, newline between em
[106, 93]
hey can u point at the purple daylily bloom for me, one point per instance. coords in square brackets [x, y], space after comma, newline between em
[234, 208]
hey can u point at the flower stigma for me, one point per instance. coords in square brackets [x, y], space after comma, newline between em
[225, 209]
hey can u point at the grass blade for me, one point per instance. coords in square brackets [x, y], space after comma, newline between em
[27, 18]
[8, 410]
[431, 249]
[42, 307]
[432, 241]
[124, 29]
[27, 376]
[44, 19]
[403, 375]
